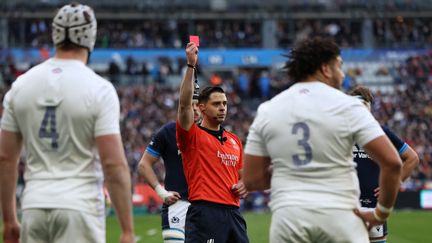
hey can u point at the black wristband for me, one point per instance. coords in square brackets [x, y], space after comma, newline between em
[191, 66]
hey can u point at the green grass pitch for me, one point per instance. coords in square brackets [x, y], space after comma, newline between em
[404, 227]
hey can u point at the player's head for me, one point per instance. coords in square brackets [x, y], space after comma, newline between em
[364, 94]
[73, 27]
[212, 103]
[316, 59]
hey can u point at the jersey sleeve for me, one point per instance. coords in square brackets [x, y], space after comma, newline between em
[107, 112]
[8, 120]
[255, 144]
[157, 144]
[184, 137]
[363, 125]
[399, 144]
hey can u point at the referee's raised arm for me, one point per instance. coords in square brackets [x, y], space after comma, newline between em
[185, 111]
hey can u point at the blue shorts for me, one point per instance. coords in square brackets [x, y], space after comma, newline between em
[214, 222]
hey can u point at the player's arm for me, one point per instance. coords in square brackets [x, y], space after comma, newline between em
[383, 151]
[257, 172]
[410, 161]
[145, 169]
[118, 181]
[10, 149]
[185, 111]
[408, 155]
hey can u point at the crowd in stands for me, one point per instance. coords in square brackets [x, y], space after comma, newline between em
[409, 110]
[230, 33]
[230, 5]
[346, 33]
[146, 107]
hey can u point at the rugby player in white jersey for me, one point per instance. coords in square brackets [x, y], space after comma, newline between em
[63, 114]
[300, 146]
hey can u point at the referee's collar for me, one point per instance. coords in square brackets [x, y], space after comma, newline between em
[217, 134]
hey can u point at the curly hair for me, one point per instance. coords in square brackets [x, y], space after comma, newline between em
[363, 92]
[308, 56]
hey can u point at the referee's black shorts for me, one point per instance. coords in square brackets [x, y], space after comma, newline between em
[214, 223]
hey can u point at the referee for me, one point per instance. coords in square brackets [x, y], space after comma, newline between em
[212, 161]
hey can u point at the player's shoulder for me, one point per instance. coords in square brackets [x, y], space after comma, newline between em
[31, 74]
[341, 99]
[168, 127]
[264, 107]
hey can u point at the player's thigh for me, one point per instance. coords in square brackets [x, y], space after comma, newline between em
[173, 222]
[297, 225]
[34, 226]
[341, 226]
[289, 225]
[76, 226]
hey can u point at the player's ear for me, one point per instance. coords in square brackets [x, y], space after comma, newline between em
[201, 107]
[325, 70]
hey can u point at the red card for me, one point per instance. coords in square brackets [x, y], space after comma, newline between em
[194, 39]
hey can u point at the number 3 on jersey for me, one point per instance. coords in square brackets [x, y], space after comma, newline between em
[306, 157]
[49, 120]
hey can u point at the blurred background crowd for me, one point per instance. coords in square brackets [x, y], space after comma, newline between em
[148, 89]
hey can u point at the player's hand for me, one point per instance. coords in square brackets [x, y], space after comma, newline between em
[127, 238]
[11, 233]
[239, 189]
[376, 192]
[173, 198]
[368, 218]
[191, 53]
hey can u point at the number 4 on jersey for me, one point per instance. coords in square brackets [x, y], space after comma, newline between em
[49, 121]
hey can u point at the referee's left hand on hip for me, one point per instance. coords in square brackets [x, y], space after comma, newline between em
[239, 189]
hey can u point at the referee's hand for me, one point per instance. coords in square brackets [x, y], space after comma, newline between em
[239, 189]
[191, 53]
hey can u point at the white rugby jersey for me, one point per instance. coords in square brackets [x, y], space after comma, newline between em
[60, 107]
[308, 131]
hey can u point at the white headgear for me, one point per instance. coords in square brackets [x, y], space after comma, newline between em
[76, 23]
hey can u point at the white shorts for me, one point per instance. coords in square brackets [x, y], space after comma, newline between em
[61, 225]
[300, 225]
[173, 221]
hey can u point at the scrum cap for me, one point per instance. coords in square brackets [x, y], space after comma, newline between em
[76, 23]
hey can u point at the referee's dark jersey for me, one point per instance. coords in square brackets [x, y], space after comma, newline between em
[368, 171]
[163, 144]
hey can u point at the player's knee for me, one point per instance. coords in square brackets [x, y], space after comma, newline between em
[173, 235]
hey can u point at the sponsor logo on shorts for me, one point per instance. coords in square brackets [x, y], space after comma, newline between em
[175, 220]
[378, 228]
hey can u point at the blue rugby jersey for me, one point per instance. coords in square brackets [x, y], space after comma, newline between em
[368, 170]
[163, 144]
